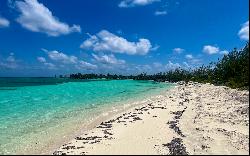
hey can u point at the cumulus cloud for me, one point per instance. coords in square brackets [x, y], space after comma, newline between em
[4, 22]
[224, 52]
[134, 3]
[41, 59]
[157, 65]
[108, 59]
[106, 41]
[189, 56]
[38, 18]
[46, 64]
[11, 58]
[178, 50]
[85, 65]
[193, 60]
[9, 63]
[137, 69]
[61, 57]
[186, 65]
[158, 13]
[208, 49]
[50, 65]
[172, 66]
[244, 31]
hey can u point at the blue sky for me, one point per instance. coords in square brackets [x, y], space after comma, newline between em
[48, 37]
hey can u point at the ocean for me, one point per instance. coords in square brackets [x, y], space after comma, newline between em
[40, 113]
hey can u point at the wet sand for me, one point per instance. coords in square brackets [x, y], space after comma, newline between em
[188, 119]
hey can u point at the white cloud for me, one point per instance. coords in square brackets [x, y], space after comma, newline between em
[141, 68]
[4, 22]
[106, 41]
[7, 65]
[11, 4]
[208, 49]
[244, 31]
[224, 52]
[108, 59]
[86, 65]
[172, 66]
[157, 65]
[133, 3]
[11, 58]
[158, 13]
[37, 18]
[10, 62]
[155, 48]
[193, 60]
[61, 57]
[186, 65]
[41, 59]
[178, 50]
[189, 56]
[46, 64]
[50, 65]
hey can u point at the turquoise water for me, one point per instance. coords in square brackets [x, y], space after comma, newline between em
[36, 113]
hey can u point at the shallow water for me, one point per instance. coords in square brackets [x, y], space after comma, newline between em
[38, 112]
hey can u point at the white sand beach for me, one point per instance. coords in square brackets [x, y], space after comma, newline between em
[188, 119]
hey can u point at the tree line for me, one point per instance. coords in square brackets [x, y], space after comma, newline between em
[232, 70]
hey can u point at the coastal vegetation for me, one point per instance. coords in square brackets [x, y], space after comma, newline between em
[232, 70]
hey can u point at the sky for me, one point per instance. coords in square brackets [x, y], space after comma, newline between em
[48, 37]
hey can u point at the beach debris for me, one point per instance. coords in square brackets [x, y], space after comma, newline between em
[69, 147]
[174, 124]
[239, 140]
[106, 132]
[158, 107]
[59, 153]
[88, 138]
[178, 114]
[119, 121]
[83, 153]
[176, 147]
[136, 118]
[144, 108]
[203, 147]
[105, 125]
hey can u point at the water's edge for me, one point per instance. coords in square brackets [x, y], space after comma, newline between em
[98, 120]
[39, 120]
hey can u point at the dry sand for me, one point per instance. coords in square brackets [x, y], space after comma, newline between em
[188, 119]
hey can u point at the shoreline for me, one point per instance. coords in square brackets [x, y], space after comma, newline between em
[54, 127]
[109, 113]
[178, 122]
